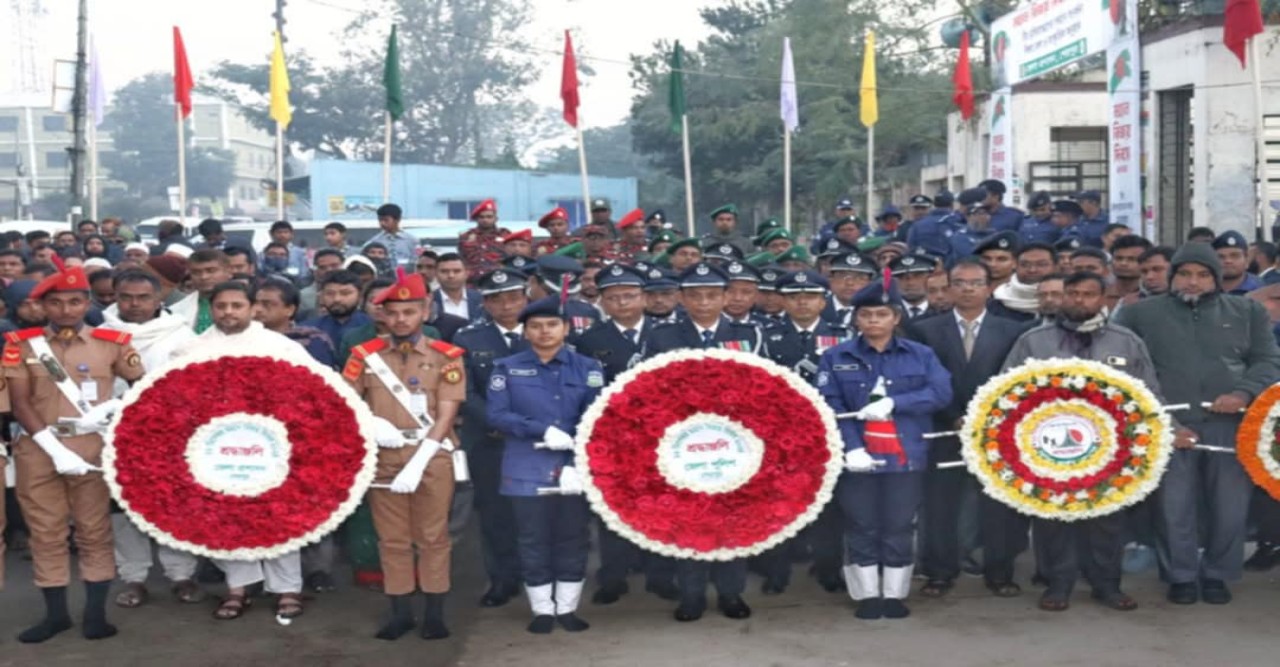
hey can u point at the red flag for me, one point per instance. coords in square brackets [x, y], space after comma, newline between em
[569, 83]
[182, 81]
[1241, 21]
[962, 80]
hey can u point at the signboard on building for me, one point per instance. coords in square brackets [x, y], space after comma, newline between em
[1124, 88]
[1041, 36]
[1000, 154]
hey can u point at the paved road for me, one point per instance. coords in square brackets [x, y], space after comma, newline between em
[806, 626]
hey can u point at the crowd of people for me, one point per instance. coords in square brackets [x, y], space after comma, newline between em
[497, 350]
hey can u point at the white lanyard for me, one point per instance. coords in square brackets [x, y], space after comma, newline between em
[44, 354]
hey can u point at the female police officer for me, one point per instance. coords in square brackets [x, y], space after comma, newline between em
[536, 398]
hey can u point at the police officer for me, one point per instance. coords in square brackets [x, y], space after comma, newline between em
[555, 272]
[1039, 225]
[58, 379]
[797, 342]
[662, 296]
[999, 252]
[911, 273]
[1063, 249]
[828, 251]
[616, 344]
[770, 308]
[719, 254]
[655, 224]
[499, 335]
[1003, 218]
[889, 224]
[965, 242]
[1232, 251]
[1070, 217]
[702, 289]
[893, 386]
[850, 273]
[935, 229]
[741, 295]
[415, 386]
[919, 206]
[536, 399]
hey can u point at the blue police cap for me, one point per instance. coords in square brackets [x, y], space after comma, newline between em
[545, 307]
[1006, 240]
[619, 275]
[659, 279]
[1069, 207]
[876, 294]
[519, 263]
[1090, 195]
[703, 275]
[944, 199]
[1039, 199]
[994, 186]
[741, 271]
[972, 196]
[1068, 244]
[803, 281]
[911, 264]
[888, 211]
[770, 274]
[1231, 239]
[844, 203]
[725, 251]
[854, 261]
[920, 201]
[501, 280]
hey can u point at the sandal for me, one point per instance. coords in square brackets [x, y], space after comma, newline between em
[1116, 600]
[1051, 601]
[188, 591]
[1004, 589]
[936, 588]
[133, 596]
[233, 606]
[289, 606]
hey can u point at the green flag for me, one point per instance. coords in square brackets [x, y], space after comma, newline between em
[675, 97]
[391, 78]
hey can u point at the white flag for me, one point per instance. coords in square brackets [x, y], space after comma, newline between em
[97, 88]
[790, 109]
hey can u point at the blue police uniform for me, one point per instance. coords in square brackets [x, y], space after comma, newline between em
[934, 231]
[526, 397]
[965, 243]
[550, 270]
[1036, 230]
[1088, 231]
[880, 506]
[1007, 218]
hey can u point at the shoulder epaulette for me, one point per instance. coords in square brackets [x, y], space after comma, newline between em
[16, 337]
[371, 346]
[448, 350]
[112, 336]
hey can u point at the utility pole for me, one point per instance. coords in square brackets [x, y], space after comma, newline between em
[78, 105]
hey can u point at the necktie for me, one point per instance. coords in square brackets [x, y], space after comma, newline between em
[512, 338]
[967, 338]
[631, 335]
[707, 337]
[842, 315]
[806, 337]
[915, 312]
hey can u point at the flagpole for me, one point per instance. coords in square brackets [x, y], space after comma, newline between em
[1260, 166]
[688, 173]
[582, 165]
[279, 171]
[182, 163]
[93, 170]
[871, 172]
[786, 178]
[386, 162]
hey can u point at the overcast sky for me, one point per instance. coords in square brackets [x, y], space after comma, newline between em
[133, 38]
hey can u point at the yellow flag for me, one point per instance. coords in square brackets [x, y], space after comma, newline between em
[280, 111]
[870, 104]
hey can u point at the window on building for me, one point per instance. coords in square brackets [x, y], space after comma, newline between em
[55, 159]
[577, 212]
[460, 209]
[54, 123]
[8, 123]
[8, 160]
[1078, 162]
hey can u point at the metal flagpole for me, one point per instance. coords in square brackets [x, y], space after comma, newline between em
[688, 173]
[871, 173]
[93, 169]
[279, 171]
[1260, 166]
[182, 163]
[582, 165]
[786, 179]
[386, 162]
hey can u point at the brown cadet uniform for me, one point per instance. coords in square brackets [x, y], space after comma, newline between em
[49, 501]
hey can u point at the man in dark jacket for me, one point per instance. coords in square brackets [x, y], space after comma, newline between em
[1213, 348]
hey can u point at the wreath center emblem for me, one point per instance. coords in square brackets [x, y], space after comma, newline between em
[240, 454]
[709, 453]
[1066, 438]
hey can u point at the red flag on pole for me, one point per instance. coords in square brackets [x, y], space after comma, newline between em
[962, 80]
[1242, 19]
[182, 81]
[569, 83]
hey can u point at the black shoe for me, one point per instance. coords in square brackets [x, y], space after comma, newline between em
[734, 607]
[571, 623]
[831, 584]
[498, 595]
[320, 582]
[690, 610]
[1183, 593]
[1214, 591]
[401, 618]
[610, 593]
[542, 625]
[771, 587]
[667, 590]
[894, 608]
[1264, 558]
[56, 617]
[95, 625]
[433, 626]
[870, 609]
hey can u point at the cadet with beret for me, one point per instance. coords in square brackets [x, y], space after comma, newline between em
[536, 399]
[684, 253]
[660, 241]
[776, 241]
[556, 272]
[656, 223]
[893, 386]
[556, 223]
[725, 223]
[480, 246]
[1232, 250]
[633, 244]
[850, 273]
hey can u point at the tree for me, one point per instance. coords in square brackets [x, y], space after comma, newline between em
[145, 155]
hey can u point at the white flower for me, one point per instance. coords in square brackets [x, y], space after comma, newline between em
[1139, 451]
[1082, 495]
[1042, 381]
[1027, 488]
[1006, 475]
[1142, 429]
[1130, 407]
[993, 455]
[1006, 404]
[1058, 499]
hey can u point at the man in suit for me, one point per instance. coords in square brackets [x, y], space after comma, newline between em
[454, 297]
[971, 343]
[702, 291]
[616, 344]
[496, 336]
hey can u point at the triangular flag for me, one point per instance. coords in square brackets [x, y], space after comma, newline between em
[1242, 19]
[962, 80]
[790, 108]
[870, 103]
[569, 83]
[391, 77]
[675, 92]
[280, 111]
[182, 81]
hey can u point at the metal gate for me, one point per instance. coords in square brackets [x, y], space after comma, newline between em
[1175, 140]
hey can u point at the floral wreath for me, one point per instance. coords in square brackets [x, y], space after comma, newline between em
[708, 454]
[1258, 441]
[1066, 439]
[241, 455]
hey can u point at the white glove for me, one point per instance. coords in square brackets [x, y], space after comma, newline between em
[858, 460]
[876, 411]
[570, 481]
[386, 434]
[97, 418]
[410, 476]
[65, 461]
[555, 440]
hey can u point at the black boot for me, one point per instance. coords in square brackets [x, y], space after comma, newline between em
[433, 618]
[56, 618]
[95, 624]
[401, 618]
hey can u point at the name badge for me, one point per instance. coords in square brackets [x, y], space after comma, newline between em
[524, 372]
[418, 403]
[89, 390]
[846, 367]
[1116, 361]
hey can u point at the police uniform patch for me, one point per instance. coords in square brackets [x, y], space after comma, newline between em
[12, 355]
[352, 370]
[498, 383]
[133, 360]
[1117, 361]
[451, 373]
[595, 379]
[823, 379]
